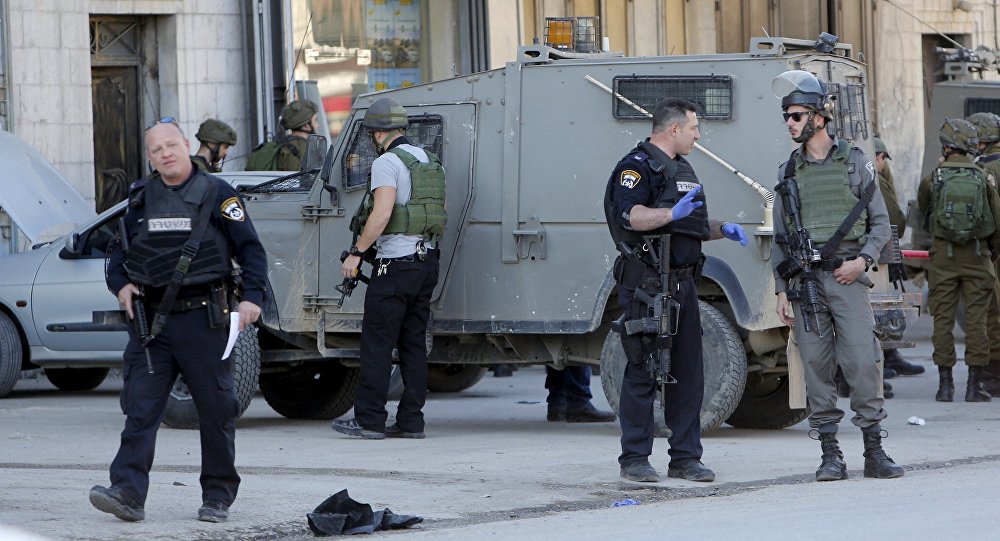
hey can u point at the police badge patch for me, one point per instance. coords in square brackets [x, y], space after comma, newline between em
[629, 178]
[232, 209]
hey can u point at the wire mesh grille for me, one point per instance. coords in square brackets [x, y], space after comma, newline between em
[981, 105]
[424, 131]
[578, 34]
[713, 94]
[296, 182]
[850, 119]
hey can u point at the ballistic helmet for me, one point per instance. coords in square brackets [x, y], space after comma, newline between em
[960, 134]
[216, 131]
[297, 114]
[987, 126]
[799, 87]
[880, 148]
[384, 115]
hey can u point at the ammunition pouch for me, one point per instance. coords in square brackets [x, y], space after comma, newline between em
[789, 268]
[628, 271]
[218, 306]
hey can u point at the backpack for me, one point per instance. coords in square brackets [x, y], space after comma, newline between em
[961, 210]
[265, 156]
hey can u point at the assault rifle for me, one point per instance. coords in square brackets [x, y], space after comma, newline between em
[347, 286]
[802, 257]
[140, 325]
[663, 314]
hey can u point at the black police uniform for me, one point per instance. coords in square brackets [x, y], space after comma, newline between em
[189, 344]
[649, 177]
[397, 311]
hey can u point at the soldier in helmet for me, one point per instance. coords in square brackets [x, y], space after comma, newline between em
[829, 228]
[216, 137]
[405, 181]
[286, 152]
[960, 204]
[988, 129]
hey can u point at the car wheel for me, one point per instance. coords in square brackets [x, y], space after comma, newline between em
[453, 378]
[11, 354]
[76, 379]
[316, 390]
[181, 411]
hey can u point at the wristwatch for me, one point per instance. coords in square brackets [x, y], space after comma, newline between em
[869, 261]
[354, 251]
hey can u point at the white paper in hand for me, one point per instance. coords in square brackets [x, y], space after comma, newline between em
[234, 331]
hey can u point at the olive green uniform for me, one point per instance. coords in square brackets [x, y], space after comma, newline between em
[967, 274]
[848, 327]
[993, 317]
[203, 164]
[888, 189]
[288, 159]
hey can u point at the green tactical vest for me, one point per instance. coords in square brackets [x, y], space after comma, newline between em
[960, 203]
[826, 196]
[424, 214]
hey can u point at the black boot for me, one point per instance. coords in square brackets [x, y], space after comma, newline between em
[974, 391]
[887, 390]
[946, 385]
[877, 463]
[832, 467]
[991, 380]
[902, 367]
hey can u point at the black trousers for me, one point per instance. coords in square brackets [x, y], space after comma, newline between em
[569, 387]
[682, 400]
[397, 307]
[187, 346]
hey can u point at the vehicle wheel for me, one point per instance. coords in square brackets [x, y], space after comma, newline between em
[765, 404]
[453, 378]
[76, 379]
[181, 411]
[11, 355]
[395, 384]
[725, 371]
[318, 390]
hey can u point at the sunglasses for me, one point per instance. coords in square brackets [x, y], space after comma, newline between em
[164, 120]
[797, 116]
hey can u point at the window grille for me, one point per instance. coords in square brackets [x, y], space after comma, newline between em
[850, 118]
[981, 105]
[712, 93]
[424, 131]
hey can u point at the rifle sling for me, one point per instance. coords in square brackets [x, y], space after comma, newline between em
[188, 253]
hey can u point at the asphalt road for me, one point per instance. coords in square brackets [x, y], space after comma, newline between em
[493, 468]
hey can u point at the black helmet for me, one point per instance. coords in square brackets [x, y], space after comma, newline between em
[987, 126]
[960, 134]
[297, 114]
[384, 115]
[216, 131]
[799, 87]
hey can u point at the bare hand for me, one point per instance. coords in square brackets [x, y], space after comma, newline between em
[349, 268]
[784, 310]
[125, 295]
[849, 271]
[249, 314]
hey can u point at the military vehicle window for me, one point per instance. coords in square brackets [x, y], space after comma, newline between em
[981, 105]
[712, 93]
[850, 120]
[297, 182]
[425, 131]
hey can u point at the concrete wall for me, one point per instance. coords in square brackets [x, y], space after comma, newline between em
[199, 72]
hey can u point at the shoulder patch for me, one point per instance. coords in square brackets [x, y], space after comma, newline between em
[629, 178]
[232, 209]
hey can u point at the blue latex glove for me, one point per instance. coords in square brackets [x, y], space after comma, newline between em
[686, 205]
[734, 232]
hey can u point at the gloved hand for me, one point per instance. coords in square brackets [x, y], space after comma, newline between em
[686, 205]
[734, 232]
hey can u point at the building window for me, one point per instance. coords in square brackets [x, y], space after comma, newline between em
[424, 131]
[712, 93]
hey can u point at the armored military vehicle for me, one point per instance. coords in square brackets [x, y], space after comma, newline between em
[526, 259]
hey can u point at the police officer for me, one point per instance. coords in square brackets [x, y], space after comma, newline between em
[183, 226]
[405, 180]
[570, 397]
[894, 362]
[652, 192]
[835, 181]
[988, 130]
[216, 137]
[961, 265]
[300, 117]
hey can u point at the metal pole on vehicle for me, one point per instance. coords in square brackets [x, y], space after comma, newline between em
[766, 194]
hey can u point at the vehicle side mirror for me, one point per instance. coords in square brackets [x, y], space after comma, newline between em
[72, 248]
[316, 147]
[324, 175]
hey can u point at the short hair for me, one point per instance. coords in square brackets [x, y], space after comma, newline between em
[672, 110]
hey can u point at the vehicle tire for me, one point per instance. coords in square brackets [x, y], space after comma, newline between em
[453, 378]
[11, 355]
[725, 371]
[181, 411]
[765, 404]
[317, 390]
[76, 379]
[396, 384]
